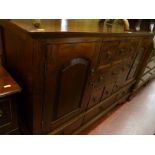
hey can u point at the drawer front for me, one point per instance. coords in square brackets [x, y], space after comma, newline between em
[127, 49]
[108, 52]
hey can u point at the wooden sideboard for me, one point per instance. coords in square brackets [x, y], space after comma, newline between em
[71, 78]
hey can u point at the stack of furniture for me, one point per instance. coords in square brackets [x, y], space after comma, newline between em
[72, 78]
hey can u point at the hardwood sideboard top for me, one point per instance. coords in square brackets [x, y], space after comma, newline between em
[57, 28]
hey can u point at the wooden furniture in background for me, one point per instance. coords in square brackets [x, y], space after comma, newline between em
[8, 97]
[8, 108]
[73, 76]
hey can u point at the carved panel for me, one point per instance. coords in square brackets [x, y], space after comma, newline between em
[71, 86]
[126, 49]
[59, 54]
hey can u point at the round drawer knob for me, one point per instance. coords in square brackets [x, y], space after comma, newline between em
[108, 55]
[92, 70]
[1, 113]
[101, 78]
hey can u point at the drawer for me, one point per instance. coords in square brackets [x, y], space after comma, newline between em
[103, 81]
[126, 49]
[147, 42]
[5, 112]
[108, 52]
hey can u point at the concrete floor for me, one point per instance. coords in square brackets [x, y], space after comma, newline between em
[136, 117]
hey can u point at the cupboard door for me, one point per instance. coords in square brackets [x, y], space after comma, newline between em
[67, 90]
[71, 83]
